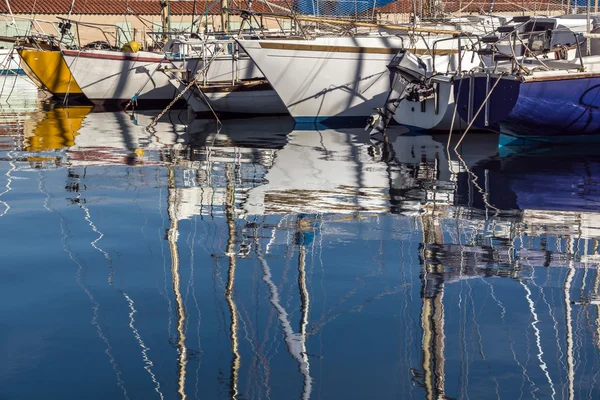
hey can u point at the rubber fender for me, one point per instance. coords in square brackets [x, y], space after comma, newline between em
[131, 47]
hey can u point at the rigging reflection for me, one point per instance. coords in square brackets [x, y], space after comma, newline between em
[475, 225]
[529, 205]
[172, 236]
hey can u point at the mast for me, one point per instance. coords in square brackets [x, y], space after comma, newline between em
[165, 14]
[193, 17]
[588, 44]
[13, 17]
[172, 238]
[433, 342]
[225, 16]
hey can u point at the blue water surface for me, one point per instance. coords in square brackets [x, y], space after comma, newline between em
[256, 261]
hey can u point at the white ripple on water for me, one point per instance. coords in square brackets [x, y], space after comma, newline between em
[537, 331]
[8, 187]
[147, 362]
[78, 278]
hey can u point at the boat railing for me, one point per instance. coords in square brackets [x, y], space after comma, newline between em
[35, 25]
[579, 52]
[212, 49]
[467, 36]
[38, 41]
[533, 43]
[107, 34]
[503, 33]
[206, 50]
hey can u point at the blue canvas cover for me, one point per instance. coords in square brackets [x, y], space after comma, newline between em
[338, 8]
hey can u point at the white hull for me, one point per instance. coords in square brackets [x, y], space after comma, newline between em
[224, 69]
[10, 62]
[435, 113]
[431, 114]
[330, 77]
[265, 102]
[18, 99]
[106, 76]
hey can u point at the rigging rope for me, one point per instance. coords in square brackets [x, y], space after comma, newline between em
[10, 12]
[478, 111]
[70, 9]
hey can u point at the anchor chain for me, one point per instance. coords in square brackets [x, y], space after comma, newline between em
[175, 99]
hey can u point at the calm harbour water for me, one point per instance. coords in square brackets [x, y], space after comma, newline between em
[273, 262]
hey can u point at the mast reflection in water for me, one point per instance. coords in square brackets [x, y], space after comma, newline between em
[258, 261]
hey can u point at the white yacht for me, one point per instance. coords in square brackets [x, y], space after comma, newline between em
[336, 77]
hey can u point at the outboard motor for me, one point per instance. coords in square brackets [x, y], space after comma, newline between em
[407, 78]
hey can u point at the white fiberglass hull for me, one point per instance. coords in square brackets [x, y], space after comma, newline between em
[262, 101]
[223, 68]
[431, 114]
[18, 99]
[436, 112]
[10, 62]
[330, 77]
[113, 76]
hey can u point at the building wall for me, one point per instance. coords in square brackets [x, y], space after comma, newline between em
[131, 27]
[405, 18]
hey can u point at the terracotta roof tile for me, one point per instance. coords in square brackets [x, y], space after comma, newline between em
[186, 7]
[119, 7]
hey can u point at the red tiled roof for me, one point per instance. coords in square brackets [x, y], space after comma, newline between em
[406, 6]
[119, 7]
[95, 7]
[181, 7]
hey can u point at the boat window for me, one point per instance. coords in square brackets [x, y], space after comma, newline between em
[538, 26]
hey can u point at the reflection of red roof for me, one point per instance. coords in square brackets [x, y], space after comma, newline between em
[101, 156]
[119, 7]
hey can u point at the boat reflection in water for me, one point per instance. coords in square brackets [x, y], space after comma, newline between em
[54, 129]
[250, 259]
[18, 103]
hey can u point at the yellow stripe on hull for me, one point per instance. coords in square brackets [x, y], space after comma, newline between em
[49, 69]
[56, 129]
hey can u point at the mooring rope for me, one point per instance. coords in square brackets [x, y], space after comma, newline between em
[135, 96]
[478, 111]
[190, 84]
[454, 113]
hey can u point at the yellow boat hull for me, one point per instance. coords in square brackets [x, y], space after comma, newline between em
[49, 70]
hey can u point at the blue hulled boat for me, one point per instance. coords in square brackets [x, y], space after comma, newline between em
[550, 178]
[555, 105]
[525, 79]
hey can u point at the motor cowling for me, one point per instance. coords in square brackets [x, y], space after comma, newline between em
[407, 75]
[411, 67]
